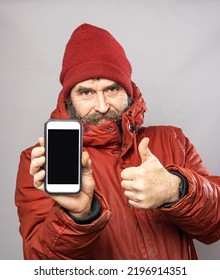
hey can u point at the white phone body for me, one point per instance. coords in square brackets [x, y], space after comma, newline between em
[63, 145]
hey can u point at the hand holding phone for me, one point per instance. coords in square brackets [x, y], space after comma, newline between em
[78, 204]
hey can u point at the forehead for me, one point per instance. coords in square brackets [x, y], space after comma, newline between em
[94, 83]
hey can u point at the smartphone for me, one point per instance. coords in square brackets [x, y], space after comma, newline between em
[63, 147]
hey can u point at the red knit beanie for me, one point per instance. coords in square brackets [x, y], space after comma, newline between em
[93, 52]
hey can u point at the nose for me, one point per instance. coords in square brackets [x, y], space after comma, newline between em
[101, 105]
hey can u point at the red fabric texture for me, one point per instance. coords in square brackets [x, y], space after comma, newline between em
[123, 232]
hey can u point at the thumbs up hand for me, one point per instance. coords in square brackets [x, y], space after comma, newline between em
[149, 185]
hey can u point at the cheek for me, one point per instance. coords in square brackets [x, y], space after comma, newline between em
[120, 103]
[82, 108]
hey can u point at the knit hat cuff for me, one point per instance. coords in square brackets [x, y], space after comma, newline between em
[92, 70]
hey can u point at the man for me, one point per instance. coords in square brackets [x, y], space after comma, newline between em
[145, 191]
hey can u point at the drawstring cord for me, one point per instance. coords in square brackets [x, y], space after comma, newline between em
[133, 127]
[134, 130]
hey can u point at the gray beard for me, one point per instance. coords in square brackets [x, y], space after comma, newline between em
[95, 118]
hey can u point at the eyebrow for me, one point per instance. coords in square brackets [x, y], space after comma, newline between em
[81, 88]
[115, 84]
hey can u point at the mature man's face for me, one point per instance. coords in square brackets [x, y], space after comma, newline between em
[97, 101]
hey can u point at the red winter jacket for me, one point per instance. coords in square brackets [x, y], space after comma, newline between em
[122, 232]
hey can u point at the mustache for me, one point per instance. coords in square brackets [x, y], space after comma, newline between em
[97, 117]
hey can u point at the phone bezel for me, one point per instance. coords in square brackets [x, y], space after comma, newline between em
[62, 188]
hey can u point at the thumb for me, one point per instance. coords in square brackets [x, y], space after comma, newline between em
[86, 162]
[143, 149]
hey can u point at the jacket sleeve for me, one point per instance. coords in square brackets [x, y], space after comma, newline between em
[47, 231]
[198, 212]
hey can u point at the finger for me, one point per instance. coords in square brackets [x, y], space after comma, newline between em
[143, 149]
[133, 203]
[37, 152]
[128, 173]
[39, 180]
[36, 165]
[130, 195]
[127, 185]
[85, 159]
[41, 141]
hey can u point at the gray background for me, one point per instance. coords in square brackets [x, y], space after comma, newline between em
[174, 47]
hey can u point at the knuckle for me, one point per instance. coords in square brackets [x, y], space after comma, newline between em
[37, 152]
[34, 151]
[33, 164]
[31, 171]
[138, 172]
[123, 173]
[123, 184]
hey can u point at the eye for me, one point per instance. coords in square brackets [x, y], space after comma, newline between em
[86, 94]
[112, 90]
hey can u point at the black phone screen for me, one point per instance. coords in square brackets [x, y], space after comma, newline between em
[63, 155]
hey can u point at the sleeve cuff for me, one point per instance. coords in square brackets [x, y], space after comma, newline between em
[183, 189]
[94, 214]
